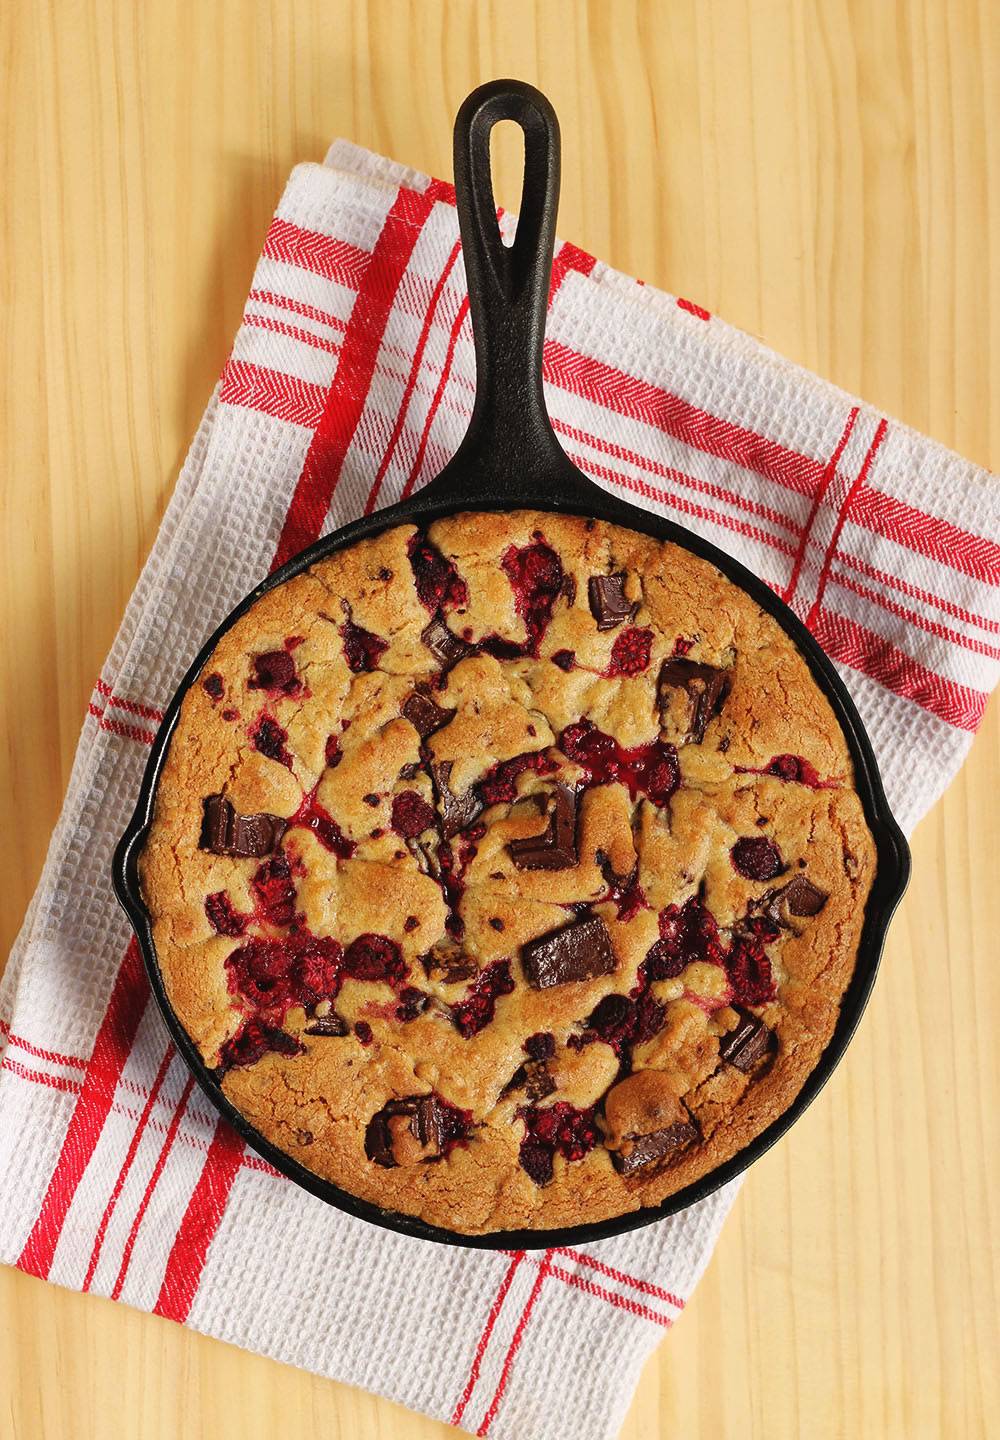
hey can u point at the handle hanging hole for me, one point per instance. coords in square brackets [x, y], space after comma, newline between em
[507, 169]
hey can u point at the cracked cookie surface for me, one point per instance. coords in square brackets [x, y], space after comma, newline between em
[509, 874]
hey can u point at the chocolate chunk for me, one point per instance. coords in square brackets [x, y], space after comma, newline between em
[799, 897]
[704, 689]
[555, 848]
[329, 1025]
[802, 897]
[608, 604]
[223, 832]
[448, 962]
[569, 590]
[579, 951]
[538, 1083]
[648, 1149]
[446, 648]
[424, 715]
[426, 1126]
[457, 811]
[747, 1044]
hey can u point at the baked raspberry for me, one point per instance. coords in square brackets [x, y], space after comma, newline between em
[223, 919]
[411, 815]
[749, 971]
[499, 785]
[333, 752]
[536, 576]
[274, 672]
[375, 957]
[565, 659]
[792, 768]
[687, 934]
[274, 890]
[362, 649]
[559, 1127]
[252, 1042]
[364, 1032]
[267, 736]
[757, 858]
[541, 1046]
[476, 1010]
[214, 686]
[439, 585]
[630, 653]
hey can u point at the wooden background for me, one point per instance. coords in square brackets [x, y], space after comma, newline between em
[822, 174]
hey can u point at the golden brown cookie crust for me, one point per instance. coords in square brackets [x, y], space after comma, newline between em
[370, 984]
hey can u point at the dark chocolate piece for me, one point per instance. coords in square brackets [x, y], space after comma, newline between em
[555, 848]
[801, 897]
[329, 1025]
[425, 1124]
[608, 604]
[579, 951]
[649, 1149]
[424, 715]
[747, 1044]
[223, 832]
[448, 962]
[457, 811]
[704, 687]
[446, 648]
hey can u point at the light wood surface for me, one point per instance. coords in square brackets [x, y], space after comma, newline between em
[821, 174]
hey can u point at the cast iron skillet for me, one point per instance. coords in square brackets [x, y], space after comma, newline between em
[510, 459]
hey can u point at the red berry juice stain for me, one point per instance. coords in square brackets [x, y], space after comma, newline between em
[311, 816]
[651, 769]
[790, 768]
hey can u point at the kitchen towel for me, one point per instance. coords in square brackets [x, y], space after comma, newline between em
[350, 383]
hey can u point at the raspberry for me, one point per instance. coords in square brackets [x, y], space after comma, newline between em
[223, 919]
[757, 858]
[275, 891]
[252, 1041]
[362, 649]
[275, 673]
[411, 815]
[267, 736]
[439, 585]
[536, 577]
[375, 957]
[475, 1012]
[749, 971]
[630, 653]
[213, 686]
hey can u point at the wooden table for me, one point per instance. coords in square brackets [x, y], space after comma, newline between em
[818, 174]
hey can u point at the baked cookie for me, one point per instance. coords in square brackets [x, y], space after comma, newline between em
[508, 874]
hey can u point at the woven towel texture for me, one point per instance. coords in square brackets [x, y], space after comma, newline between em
[350, 383]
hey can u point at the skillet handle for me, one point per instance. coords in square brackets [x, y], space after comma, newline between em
[510, 430]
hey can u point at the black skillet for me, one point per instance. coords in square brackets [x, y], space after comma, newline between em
[510, 459]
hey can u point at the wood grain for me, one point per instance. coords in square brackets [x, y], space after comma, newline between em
[821, 174]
